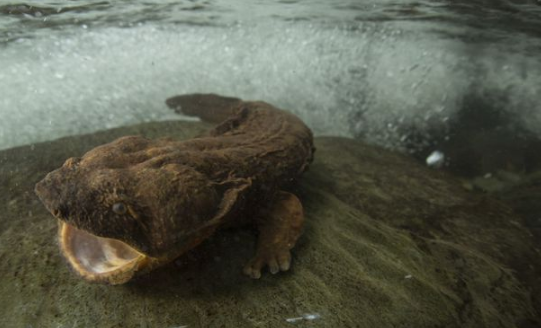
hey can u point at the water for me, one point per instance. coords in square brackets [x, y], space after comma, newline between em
[454, 82]
[393, 72]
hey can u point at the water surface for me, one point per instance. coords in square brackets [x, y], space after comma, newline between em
[393, 72]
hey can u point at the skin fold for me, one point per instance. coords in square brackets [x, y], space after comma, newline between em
[131, 205]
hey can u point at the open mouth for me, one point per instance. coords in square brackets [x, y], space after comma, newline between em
[97, 258]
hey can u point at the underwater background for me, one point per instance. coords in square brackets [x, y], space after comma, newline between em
[395, 73]
[389, 241]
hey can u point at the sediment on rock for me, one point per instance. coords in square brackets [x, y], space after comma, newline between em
[387, 243]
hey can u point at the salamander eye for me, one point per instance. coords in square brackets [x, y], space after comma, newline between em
[119, 208]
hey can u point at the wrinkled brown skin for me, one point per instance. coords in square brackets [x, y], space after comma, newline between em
[178, 192]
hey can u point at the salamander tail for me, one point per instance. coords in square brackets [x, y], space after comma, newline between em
[208, 107]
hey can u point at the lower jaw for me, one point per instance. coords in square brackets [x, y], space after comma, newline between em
[96, 259]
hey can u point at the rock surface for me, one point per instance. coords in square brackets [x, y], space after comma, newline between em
[525, 198]
[387, 243]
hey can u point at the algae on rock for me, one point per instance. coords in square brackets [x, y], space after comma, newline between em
[387, 243]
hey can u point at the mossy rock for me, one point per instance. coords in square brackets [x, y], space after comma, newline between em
[387, 243]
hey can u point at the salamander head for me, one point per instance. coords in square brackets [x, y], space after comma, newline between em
[121, 215]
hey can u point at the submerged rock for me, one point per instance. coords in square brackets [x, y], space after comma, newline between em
[388, 242]
[524, 198]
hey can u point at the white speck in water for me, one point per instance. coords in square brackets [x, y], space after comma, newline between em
[435, 159]
[408, 276]
[294, 319]
[306, 316]
[487, 176]
[84, 26]
[311, 316]
[59, 75]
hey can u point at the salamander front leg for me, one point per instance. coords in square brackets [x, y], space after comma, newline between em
[279, 228]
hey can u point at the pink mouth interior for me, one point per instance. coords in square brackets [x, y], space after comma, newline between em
[93, 255]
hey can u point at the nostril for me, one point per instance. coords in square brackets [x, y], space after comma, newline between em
[60, 212]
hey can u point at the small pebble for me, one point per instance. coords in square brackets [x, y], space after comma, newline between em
[306, 316]
[435, 159]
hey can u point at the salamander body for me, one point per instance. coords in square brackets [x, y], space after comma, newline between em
[131, 205]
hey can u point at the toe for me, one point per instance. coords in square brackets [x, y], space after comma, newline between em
[253, 268]
[256, 274]
[273, 266]
[284, 260]
[247, 270]
[275, 261]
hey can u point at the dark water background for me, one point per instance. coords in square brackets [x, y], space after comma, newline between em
[412, 75]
